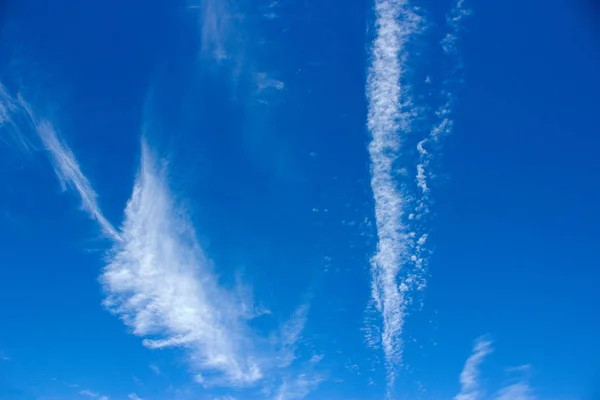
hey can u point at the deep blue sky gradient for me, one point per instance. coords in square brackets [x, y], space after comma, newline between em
[277, 186]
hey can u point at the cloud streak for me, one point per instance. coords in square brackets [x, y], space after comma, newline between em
[388, 122]
[65, 165]
[516, 391]
[216, 28]
[161, 285]
[297, 388]
[93, 395]
[159, 282]
[469, 377]
[11, 112]
[69, 174]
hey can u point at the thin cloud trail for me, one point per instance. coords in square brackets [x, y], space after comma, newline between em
[69, 174]
[517, 391]
[469, 377]
[470, 383]
[63, 160]
[10, 113]
[6, 105]
[388, 122]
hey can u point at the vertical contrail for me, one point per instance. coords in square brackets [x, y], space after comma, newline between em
[397, 268]
[388, 122]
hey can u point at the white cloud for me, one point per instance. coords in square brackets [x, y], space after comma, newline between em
[388, 121]
[264, 82]
[160, 283]
[298, 388]
[11, 116]
[94, 395]
[317, 358]
[290, 334]
[469, 377]
[6, 105]
[69, 174]
[445, 123]
[163, 287]
[63, 160]
[217, 27]
[517, 391]
[154, 368]
[421, 178]
[455, 20]
[133, 396]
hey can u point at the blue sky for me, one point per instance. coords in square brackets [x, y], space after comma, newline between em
[235, 199]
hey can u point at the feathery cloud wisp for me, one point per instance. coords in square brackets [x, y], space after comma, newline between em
[93, 395]
[216, 21]
[10, 115]
[470, 374]
[69, 174]
[154, 368]
[297, 388]
[7, 105]
[388, 121]
[162, 286]
[517, 391]
[63, 160]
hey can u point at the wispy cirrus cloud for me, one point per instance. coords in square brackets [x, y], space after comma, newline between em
[517, 391]
[217, 27]
[93, 395]
[155, 369]
[469, 377]
[133, 396]
[227, 39]
[470, 381]
[159, 282]
[163, 287]
[298, 387]
[69, 174]
[389, 118]
[65, 165]
[11, 114]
